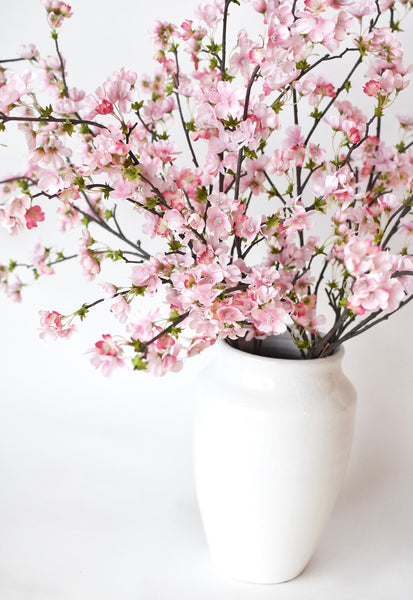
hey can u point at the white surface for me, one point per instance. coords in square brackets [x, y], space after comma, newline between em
[272, 440]
[97, 498]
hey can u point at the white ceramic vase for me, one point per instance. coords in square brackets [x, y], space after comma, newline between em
[272, 439]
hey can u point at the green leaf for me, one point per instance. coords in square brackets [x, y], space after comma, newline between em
[131, 173]
[174, 331]
[79, 181]
[82, 312]
[277, 106]
[231, 121]
[273, 221]
[310, 164]
[190, 125]
[320, 205]
[213, 47]
[108, 214]
[362, 48]
[114, 255]
[401, 147]
[12, 265]
[68, 127]
[138, 290]
[151, 203]
[347, 86]
[2, 127]
[174, 315]
[138, 346]
[136, 106]
[250, 153]
[302, 65]
[174, 245]
[46, 112]
[316, 114]
[84, 129]
[226, 76]
[139, 364]
[201, 194]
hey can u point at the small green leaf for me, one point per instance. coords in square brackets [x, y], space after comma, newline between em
[151, 203]
[231, 121]
[201, 194]
[139, 364]
[302, 65]
[131, 173]
[277, 106]
[226, 76]
[250, 153]
[401, 147]
[79, 181]
[310, 164]
[12, 265]
[136, 106]
[46, 112]
[82, 312]
[174, 315]
[316, 114]
[138, 290]
[190, 125]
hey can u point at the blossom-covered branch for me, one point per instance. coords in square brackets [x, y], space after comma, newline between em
[284, 189]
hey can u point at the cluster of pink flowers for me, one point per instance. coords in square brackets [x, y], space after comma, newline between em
[240, 212]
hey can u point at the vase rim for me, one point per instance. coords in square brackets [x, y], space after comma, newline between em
[336, 357]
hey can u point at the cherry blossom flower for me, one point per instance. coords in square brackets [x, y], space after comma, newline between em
[52, 325]
[106, 355]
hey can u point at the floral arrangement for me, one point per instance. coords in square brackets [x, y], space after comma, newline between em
[266, 180]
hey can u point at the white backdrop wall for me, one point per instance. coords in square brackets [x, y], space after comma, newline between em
[96, 496]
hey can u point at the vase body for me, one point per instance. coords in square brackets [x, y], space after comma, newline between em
[272, 439]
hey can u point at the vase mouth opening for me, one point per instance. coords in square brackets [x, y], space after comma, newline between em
[279, 346]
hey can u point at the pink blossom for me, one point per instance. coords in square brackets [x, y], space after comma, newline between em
[57, 11]
[28, 51]
[52, 326]
[270, 319]
[15, 87]
[41, 256]
[33, 216]
[361, 8]
[107, 355]
[14, 288]
[372, 88]
[226, 101]
[218, 222]
[145, 276]
[121, 309]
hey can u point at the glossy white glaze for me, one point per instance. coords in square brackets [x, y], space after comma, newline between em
[272, 439]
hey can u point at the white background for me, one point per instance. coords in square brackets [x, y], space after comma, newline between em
[96, 498]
